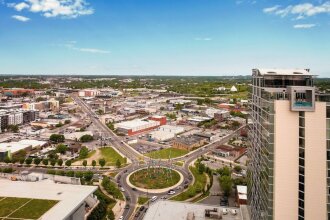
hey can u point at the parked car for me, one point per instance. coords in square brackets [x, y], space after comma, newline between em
[224, 211]
[141, 208]
[121, 218]
[154, 198]
[127, 206]
[234, 212]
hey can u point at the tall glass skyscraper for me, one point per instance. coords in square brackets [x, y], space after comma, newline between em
[289, 163]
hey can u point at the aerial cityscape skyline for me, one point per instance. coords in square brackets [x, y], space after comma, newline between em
[162, 37]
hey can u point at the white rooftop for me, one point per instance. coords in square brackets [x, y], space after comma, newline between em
[69, 196]
[284, 72]
[165, 210]
[132, 124]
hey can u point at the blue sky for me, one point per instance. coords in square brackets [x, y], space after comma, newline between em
[168, 37]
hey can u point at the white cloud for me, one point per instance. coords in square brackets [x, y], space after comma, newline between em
[55, 8]
[92, 50]
[203, 38]
[271, 9]
[20, 18]
[300, 10]
[21, 6]
[304, 26]
[72, 46]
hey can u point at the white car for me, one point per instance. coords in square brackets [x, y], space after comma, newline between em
[224, 211]
[122, 189]
[234, 212]
[121, 218]
[171, 192]
[154, 198]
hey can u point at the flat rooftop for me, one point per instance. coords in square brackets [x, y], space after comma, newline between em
[165, 210]
[69, 196]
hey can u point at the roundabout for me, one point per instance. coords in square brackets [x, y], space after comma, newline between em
[155, 179]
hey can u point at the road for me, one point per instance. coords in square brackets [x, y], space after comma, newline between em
[118, 143]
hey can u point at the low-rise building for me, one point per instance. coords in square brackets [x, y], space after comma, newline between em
[189, 142]
[166, 132]
[241, 195]
[74, 202]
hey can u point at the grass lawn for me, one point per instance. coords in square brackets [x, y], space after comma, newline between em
[27, 208]
[167, 153]
[111, 156]
[197, 187]
[8, 205]
[179, 163]
[34, 209]
[142, 200]
[112, 188]
[154, 178]
[90, 154]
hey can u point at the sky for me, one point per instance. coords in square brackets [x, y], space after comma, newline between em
[163, 37]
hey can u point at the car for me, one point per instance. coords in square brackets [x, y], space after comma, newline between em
[223, 203]
[137, 214]
[154, 198]
[127, 206]
[171, 192]
[121, 218]
[128, 198]
[141, 208]
[224, 211]
[119, 185]
[164, 197]
[134, 189]
[233, 212]
[122, 189]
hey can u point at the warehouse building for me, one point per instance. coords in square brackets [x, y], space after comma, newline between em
[137, 126]
[166, 132]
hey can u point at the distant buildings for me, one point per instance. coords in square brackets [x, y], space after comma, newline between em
[289, 168]
[48, 105]
[17, 92]
[166, 132]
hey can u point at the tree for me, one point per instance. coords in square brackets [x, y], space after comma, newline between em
[84, 163]
[57, 138]
[59, 125]
[111, 215]
[52, 162]
[61, 148]
[86, 138]
[226, 184]
[45, 161]
[19, 155]
[118, 163]
[102, 162]
[201, 168]
[111, 126]
[37, 161]
[93, 163]
[83, 153]
[238, 169]
[60, 162]
[225, 171]
[68, 163]
[7, 159]
[88, 176]
[79, 174]
[21, 161]
[13, 128]
[28, 160]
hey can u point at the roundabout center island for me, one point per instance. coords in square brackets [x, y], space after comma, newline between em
[155, 179]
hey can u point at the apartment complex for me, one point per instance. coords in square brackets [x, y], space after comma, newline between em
[290, 147]
[16, 117]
